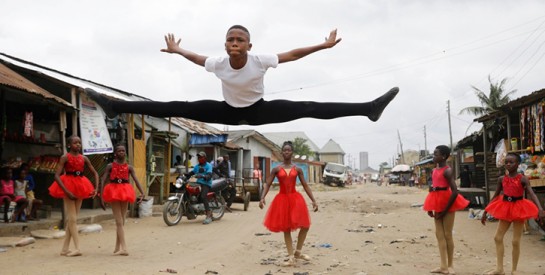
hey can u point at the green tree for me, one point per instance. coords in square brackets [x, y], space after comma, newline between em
[301, 148]
[496, 97]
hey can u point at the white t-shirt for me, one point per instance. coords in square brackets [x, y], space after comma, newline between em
[243, 87]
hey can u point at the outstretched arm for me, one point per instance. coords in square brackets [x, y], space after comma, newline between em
[173, 46]
[295, 54]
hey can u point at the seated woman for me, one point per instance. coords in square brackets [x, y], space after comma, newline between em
[22, 188]
[7, 195]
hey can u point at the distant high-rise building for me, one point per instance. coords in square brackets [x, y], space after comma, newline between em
[364, 160]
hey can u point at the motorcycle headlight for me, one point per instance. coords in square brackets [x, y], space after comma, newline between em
[179, 183]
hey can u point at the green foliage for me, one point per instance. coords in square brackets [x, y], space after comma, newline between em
[301, 148]
[497, 96]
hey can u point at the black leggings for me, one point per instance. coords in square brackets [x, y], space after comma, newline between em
[261, 112]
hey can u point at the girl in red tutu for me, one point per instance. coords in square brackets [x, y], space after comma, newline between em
[73, 187]
[288, 210]
[441, 203]
[511, 207]
[119, 193]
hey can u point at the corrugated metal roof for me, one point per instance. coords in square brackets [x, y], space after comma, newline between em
[242, 134]
[10, 78]
[72, 80]
[197, 127]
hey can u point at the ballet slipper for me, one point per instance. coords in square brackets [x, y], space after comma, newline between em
[121, 253]
[65, 252]
[380, 103]
[289, 262]
[74, 253]
[299, 255]
[440, 271]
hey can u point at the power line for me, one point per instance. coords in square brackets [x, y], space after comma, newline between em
[414, 62]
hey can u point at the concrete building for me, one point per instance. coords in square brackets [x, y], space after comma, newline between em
[364, 160]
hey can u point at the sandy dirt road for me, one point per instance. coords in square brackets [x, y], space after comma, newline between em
[361, 229]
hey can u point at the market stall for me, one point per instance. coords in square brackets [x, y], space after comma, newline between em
[516, 127]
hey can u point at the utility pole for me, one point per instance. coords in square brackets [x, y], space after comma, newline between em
[449, 125]
[401, 147]
[425, 142]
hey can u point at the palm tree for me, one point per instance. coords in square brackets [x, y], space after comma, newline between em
[491, 102]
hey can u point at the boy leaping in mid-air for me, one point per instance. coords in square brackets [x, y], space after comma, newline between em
[241, 75]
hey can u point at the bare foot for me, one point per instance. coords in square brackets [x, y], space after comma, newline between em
[74, 253]
[65, 252]
[494, 272]
[121, 253]
[440, 271]
[451, 270]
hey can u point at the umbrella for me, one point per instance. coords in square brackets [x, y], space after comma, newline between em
[401, 168]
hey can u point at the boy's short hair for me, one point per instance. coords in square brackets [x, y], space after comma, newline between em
[240, 27]
[444, 150]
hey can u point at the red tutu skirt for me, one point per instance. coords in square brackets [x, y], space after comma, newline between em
[520, 210]
[287, 212]
[438, 200]
[81, 187]
[119, 192]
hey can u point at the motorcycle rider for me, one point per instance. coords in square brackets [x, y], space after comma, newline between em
[230, 192]
[203, 172]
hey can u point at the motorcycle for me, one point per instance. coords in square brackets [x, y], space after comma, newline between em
[187, 201]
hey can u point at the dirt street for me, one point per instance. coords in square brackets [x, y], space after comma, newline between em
[362, 229]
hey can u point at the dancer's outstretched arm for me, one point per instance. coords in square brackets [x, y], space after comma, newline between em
[173, 46]
[295, 54]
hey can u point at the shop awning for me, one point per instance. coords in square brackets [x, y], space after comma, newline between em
[10, 78]
[426, 161]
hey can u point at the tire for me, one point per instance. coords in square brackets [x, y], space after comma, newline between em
[247, 197]
[217, 213]
[172, 212]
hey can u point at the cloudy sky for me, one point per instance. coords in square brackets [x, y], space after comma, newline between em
[434, 51]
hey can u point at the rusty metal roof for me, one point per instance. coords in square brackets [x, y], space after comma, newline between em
[194, 126]
[12, 79]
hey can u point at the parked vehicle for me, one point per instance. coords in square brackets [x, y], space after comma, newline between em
[394, 178]
[335, 173]
[375, 178]
[187, 202]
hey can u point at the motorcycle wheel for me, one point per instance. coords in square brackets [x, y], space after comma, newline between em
[172, 213]
[217, 213]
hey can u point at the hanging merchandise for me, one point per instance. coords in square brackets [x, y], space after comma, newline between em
[28, 125]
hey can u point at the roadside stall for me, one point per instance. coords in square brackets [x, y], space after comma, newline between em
[516, 127]
[33, 123]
